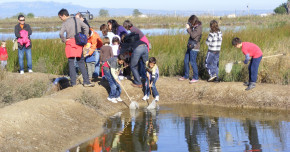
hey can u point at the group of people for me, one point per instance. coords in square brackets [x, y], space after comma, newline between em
[214, 42]
[119, 52]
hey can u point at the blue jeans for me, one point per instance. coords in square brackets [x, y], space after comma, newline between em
[253, 69]
[97, 65]
[28, 58]
[141, 69]
[212, 63]
[190, 56]
[153, 88]
[141, 52]
[115, 89]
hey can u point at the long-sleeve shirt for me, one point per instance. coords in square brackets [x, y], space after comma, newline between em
[214, 41]
[95, 40]
[195, 34]
[3, 54]
[138, 31]
[121, 31]
[106, 52]
[115, 67]
[68, 27]
[153, 72]
[17, 30]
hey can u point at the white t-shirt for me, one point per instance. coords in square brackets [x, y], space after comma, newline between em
[115, 49]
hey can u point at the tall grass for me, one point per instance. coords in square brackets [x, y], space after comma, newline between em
[170, 50]
[48, 56]
[165, 21]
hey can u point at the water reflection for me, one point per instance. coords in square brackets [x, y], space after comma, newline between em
[192, 128]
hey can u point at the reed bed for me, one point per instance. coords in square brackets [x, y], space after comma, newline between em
[273, 38]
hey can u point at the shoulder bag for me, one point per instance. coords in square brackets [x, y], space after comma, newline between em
[81, 39]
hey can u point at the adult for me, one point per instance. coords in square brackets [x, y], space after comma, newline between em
[194, 29]
[288, 7]
[22, 33]
[116, 28]
[73, 51]
[128, 25]
[82, 18]
[138, 48]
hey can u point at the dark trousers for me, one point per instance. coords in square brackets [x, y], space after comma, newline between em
[253, 69]
[72, 70]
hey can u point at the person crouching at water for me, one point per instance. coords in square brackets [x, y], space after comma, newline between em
[111, 70]
[250, 50]
[152, 76]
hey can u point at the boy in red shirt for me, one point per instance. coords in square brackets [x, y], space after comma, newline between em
[3, 55]
[250, 50]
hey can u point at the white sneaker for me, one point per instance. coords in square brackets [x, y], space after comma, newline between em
[21, 72]
[119, 99]
[157, 98]
[30, 71]
[112, 100]
[145, 98]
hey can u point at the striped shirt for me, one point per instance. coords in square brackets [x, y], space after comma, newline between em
[214, 41]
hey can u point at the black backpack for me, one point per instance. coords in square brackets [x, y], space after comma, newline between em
[128, 42]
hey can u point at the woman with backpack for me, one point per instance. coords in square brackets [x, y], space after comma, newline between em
[133, 44]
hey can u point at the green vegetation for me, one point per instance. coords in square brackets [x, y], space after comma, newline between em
[281, 9]
[136, 13]
[104, 13]
[48, 56]
[270, 33]
[170, 49]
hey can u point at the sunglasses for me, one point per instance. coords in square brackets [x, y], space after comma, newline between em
[21, 20]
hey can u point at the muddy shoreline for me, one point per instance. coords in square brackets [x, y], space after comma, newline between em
[63, 119]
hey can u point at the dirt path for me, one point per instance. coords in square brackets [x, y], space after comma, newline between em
[59, 121]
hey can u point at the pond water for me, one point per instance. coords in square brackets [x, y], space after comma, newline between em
[181, 128]
[150, 32]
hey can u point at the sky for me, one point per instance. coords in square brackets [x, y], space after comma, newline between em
[199, 5]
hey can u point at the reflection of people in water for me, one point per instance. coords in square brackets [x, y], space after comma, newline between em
[253, 137]
[140, 135]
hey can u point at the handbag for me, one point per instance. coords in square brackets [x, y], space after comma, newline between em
[15, 45]
[81, 39]
[191, 43]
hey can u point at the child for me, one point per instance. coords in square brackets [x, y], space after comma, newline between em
[106, 52]
[250, 50]
[89, 59]
[152, 76]
[214, 42]
[115, 45]
[111, 70]
[3, 55]
[105, 31]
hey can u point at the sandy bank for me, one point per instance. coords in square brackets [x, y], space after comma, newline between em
[58, 121]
